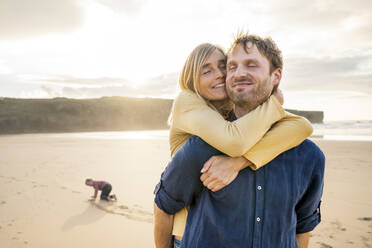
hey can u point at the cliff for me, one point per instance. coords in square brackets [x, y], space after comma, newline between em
[80, 115]
[313, 116]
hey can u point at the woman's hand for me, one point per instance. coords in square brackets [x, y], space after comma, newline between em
[279, 96]
[220, 171]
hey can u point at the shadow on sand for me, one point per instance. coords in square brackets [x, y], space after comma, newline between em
[89, 216]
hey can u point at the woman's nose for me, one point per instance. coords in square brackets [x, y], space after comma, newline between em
[220, 73]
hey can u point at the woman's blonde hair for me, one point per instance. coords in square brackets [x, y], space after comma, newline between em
[190, 74]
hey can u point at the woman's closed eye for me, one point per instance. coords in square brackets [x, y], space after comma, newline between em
[222, 67]
[206, 72]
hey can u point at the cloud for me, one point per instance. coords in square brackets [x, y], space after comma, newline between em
[64, 79]
[344, 23]
[327, 44]
[21, 19]
[364, 31]
[126, 6]
[50, 92]
[317, 13]
[5, 69]
[335, 74]
[346, 18]
[165, 86]
[307, 66]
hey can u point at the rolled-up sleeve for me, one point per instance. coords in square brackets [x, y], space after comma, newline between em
[166, 203]
[180, 182]
[308, 208]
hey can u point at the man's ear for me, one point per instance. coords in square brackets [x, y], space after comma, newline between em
[276, 76]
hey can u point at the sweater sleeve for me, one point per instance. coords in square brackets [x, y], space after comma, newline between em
[192, 115]
[287, 133]
[95, 187]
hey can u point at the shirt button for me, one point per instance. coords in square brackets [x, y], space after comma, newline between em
[258, 219]
[259, 187]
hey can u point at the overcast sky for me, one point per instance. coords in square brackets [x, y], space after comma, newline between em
[93, 48]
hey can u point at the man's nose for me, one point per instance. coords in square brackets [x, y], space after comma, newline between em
[241, 72]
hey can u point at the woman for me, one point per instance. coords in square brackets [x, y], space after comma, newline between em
[203, 109]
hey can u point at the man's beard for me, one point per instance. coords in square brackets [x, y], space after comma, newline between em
[255, 97]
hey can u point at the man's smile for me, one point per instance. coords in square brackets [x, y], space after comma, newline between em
[242, 84]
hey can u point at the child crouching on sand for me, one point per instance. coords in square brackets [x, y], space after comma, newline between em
[103, 186]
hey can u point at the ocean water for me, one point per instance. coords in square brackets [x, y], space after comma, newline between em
[336, 130]
[344, 130]
[336, 105]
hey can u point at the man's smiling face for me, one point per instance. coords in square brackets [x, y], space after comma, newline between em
[248, 81]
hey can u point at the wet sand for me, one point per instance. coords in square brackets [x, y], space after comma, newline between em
[43, 199]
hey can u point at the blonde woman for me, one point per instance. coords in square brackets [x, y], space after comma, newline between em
[202, 108]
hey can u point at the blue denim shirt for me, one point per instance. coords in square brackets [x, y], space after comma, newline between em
[263, 208]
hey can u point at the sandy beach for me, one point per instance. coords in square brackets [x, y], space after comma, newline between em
[44, 202]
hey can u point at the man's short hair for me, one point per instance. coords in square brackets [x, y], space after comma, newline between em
[266, 46]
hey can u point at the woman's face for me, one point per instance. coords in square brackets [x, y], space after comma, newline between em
[212, 77]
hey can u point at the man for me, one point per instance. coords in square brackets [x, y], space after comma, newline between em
[273, 207]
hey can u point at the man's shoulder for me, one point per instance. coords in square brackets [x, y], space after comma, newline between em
[310, 149]
[191, 156]
[197, 144]
[309, 153]
[196, 148]
[196, 140]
